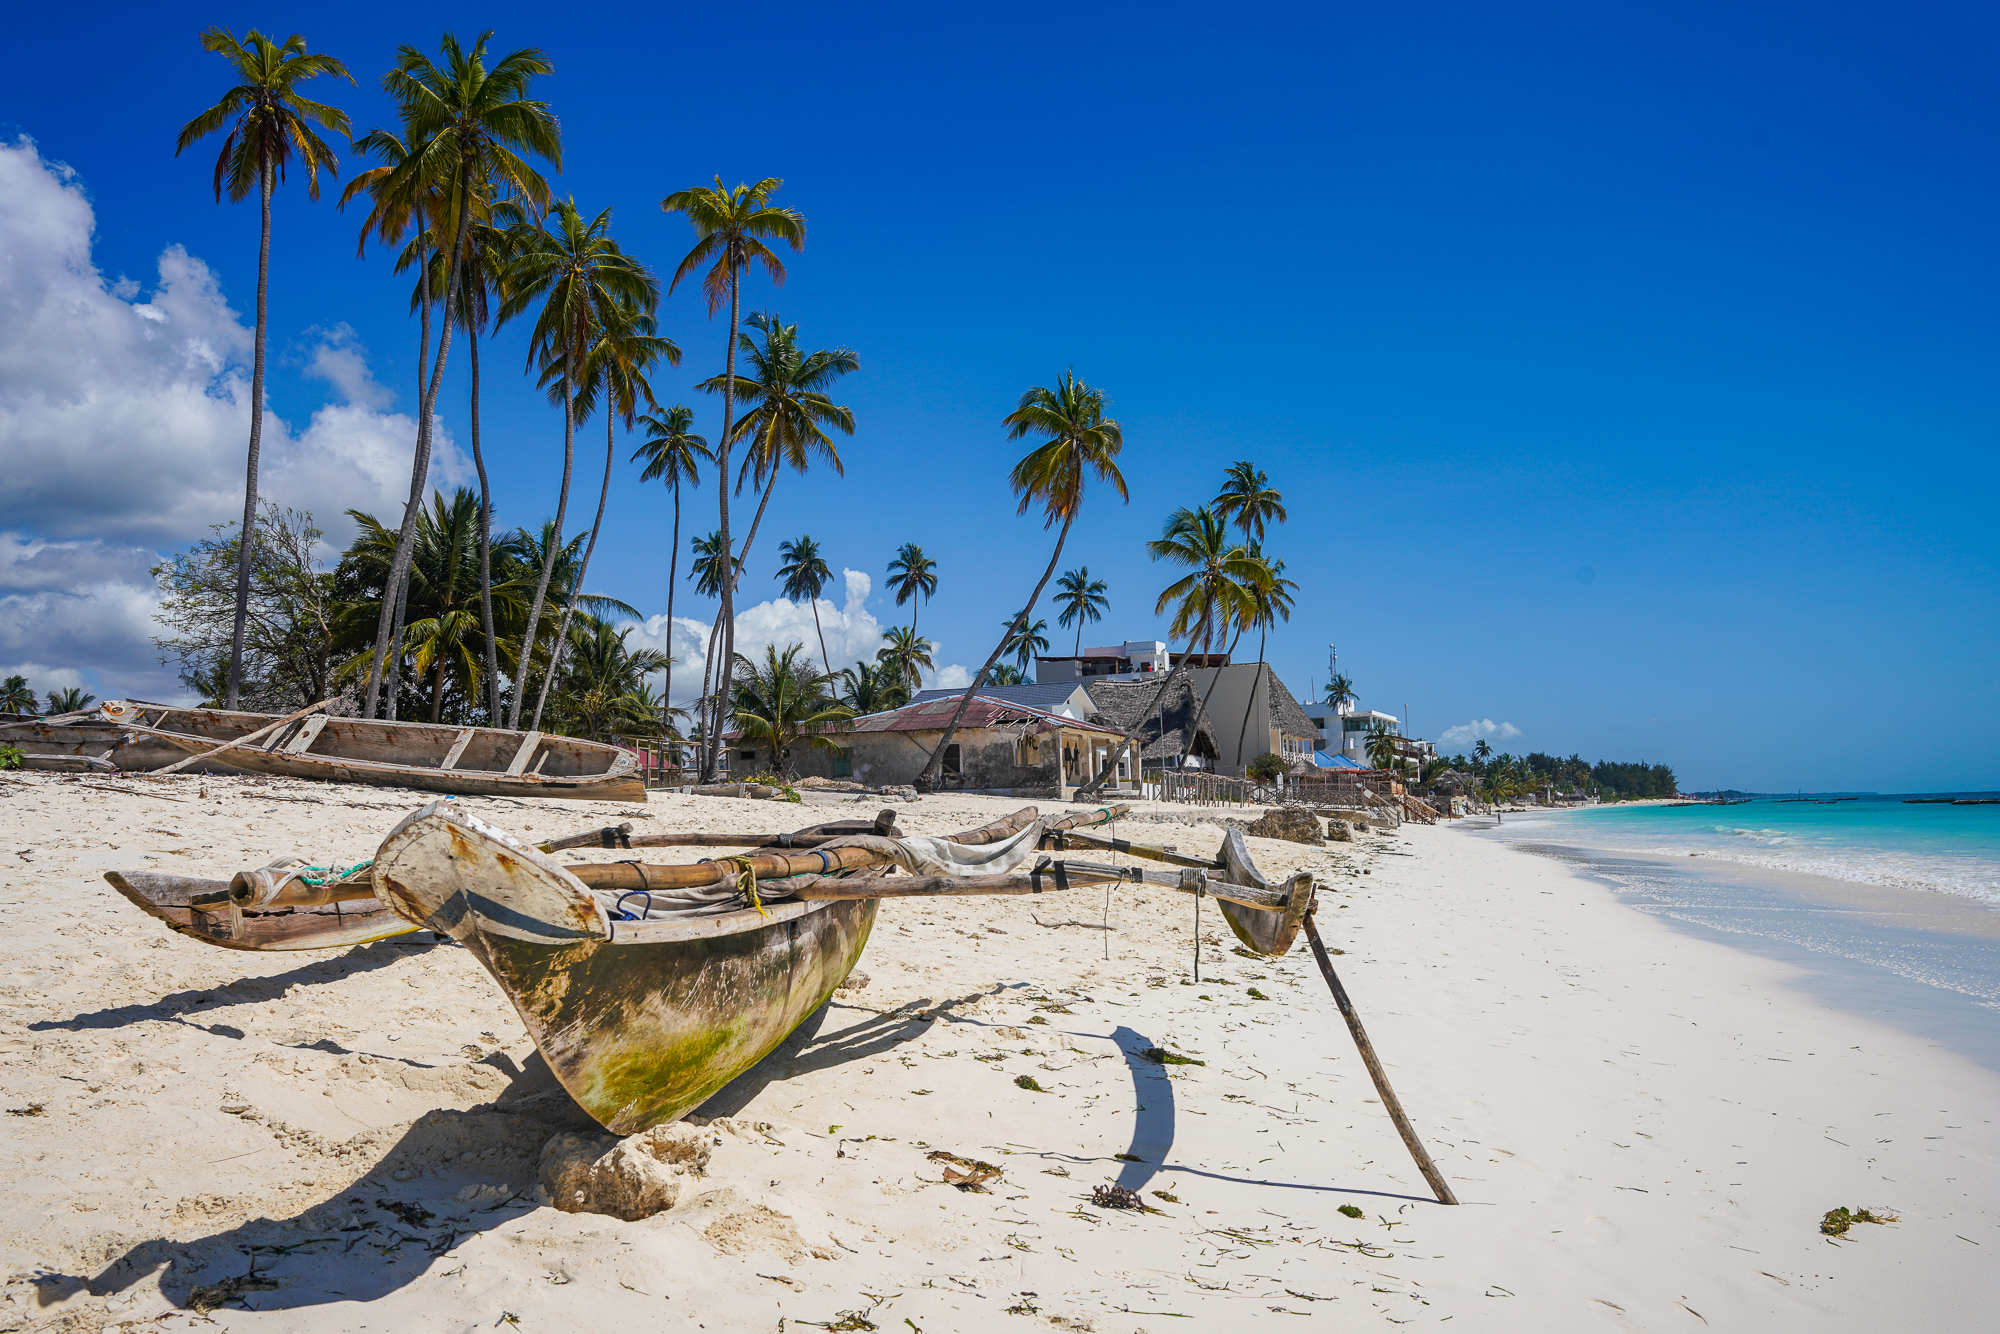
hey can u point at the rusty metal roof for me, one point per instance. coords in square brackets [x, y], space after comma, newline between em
[932, 715]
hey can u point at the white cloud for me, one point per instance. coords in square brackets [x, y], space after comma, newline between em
[129, 419]
[852, 635]
[80, 613]
[1478, 728]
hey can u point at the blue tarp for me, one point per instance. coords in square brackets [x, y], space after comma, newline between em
[1331, 760]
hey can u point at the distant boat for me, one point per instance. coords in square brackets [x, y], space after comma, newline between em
[137, 737]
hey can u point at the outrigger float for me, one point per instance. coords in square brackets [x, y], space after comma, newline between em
[647, 987]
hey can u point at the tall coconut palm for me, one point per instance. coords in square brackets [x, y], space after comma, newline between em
[1208, 601]
[1248, 500]
[784, 701]
[868, 689]
[1339, 692]
[908, 654]
[731, 228]
[1272, 597]
[1082, 601]
[671, 450]
[912, 574]
[270, 128]
[627, 347]
[1481, 750]
[465, 128]
[1078, 441]
[788, 409]
[805, 575]
[585, 285]
[706, 568]
[1025, 640]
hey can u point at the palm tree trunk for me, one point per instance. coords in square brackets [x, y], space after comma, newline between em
[246, 536]
[927, 780]
[673, 578]
[420, 469]
[555, 542]
[576, 589]
[492, 648]
[824, 665]
[393, 687]
[714, 748]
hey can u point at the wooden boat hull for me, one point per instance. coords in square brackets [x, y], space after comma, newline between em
[1266, 933]
[98, 747]
[640, 1022]
[335, 926]
[429, 757]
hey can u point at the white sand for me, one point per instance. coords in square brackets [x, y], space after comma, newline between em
[1644, 1127]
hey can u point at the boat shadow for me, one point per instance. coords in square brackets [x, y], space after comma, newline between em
[251, 989]
[450, 1175]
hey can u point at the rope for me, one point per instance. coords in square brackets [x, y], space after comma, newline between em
[619, 906]
[746, 882]
[304, 872]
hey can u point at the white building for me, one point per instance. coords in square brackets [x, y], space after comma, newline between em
[1347, 730]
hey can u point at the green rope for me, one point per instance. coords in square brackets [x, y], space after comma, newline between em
[310, 879]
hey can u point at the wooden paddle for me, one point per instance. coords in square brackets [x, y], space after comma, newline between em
[1375, 1071]
[255, 736]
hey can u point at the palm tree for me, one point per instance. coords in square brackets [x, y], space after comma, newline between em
[1082, 600]
[587, 286]
[1339, 692]
[1247, 499]
[912, 574]
[1025, 641]
[72, 700]
[15, 697]
[706, 569]
[1210, 599]
[268, 131]
[783, 702]
[805, 573]
[465, 128]
[873, 689]
[1080, 440]
[671, 449]
[626, 348]
[908, 654]
[789, 410]
[1481, 750]
[1382, 746]
[604, 689]
[1270, 601]
[731, 227]
[1007, 674]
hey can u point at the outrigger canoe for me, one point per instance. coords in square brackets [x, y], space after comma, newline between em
[647, 987]
[432, 757]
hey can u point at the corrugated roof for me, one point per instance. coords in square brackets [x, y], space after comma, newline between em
[1036, 696]
[933, 715]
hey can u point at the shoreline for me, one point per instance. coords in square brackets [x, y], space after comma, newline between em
[1584, 1075]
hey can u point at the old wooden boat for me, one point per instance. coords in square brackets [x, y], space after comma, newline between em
[643, 1012]
[430, 757]
[90, 742]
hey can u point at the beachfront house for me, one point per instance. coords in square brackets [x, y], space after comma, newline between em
[1000, 747]
[1347, 730]
[1134, 660]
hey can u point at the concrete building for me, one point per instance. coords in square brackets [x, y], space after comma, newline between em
[1346, 732]
[1134, 660]
[999, 747]
[1253, 714]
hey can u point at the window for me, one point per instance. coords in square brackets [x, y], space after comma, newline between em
[951, 758]
[1028, 751]
[843, 762]
[746, 754]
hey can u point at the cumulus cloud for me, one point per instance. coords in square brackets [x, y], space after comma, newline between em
[128, 419]
[69, 605]
[1479, 728]
[851, 630]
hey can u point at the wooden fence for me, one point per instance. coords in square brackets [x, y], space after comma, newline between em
[1198, 788]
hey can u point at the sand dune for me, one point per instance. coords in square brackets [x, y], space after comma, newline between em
[1644, 1128]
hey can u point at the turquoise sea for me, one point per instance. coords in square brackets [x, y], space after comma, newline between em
[1887, 908]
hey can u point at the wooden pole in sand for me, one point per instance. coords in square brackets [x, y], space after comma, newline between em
[1375, 1072]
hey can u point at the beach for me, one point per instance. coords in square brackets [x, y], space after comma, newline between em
[1644, 1126]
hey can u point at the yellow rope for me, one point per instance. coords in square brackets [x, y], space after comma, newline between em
[746, 883]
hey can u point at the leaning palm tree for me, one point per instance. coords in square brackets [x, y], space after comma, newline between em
[268, 131]
[1081, 600]
[873, 689]
[805, 574]
[671, 450]
[788, 410]
[1248, 500]
[465, 127]
[1208, 601]
[784, 701]
[1079, 440]
[911, 574]
[908, 654]
[1271, 600]
[586, 285]
[1025, 640]
[731, 228]
[626, 348]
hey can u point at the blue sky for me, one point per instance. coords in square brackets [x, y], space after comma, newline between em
[1629, 373]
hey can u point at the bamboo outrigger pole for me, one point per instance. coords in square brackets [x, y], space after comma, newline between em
[1375, 1071]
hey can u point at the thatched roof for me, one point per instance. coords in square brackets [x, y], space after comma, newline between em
[1286, 714]
[1163, 732]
